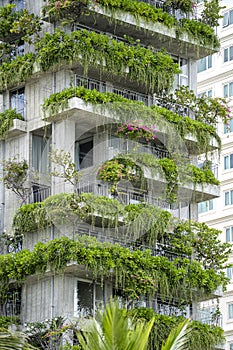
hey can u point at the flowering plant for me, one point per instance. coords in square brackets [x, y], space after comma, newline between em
[117, 169]
[135, 131]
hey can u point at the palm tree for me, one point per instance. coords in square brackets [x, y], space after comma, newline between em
[178, 337]
[10, 340]
[114, 331]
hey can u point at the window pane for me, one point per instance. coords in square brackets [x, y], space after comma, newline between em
[85, 298]
[231, 346]
[228, 237]
[225, 19]
[229, 272]
[84, 154]
[231, 17]
[230, 310]
[201, 65]
[209, 58]
[231, 89]
[40, 150]
[225, 55]
[231, 53]
[231, 125]
[225, 89]
[225, 129]
[227, 197]
[231, 161]
[211, 204]
[209, 93]
[226, 162]
[231, 199]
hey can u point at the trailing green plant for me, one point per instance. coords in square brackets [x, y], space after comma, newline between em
[203, 336]
[6, 120]
[18, 25]
[190, 238]
[156, 70]
[17, 71]
[59, 101]
[185, 126]
[200, 31]
[135, 272]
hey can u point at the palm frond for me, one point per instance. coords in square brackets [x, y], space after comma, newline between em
[179, 337]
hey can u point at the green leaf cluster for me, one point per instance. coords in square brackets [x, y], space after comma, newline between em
[156, 70]
[135, 272]
[6, 120]
[17, 71]
[202, 336]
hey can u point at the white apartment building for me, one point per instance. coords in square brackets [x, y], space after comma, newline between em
[215, 78]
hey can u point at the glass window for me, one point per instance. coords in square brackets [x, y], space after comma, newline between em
[229, 234]
[228, 90]
[228, 162]
[226, 55]
[230, 310]
[203, 207]
[88, 296]
[17, 101]
[204, 63]
[228, 128]
[84, 153]
[228, 18]
[19, 4]
[40, 152]
[229, 272]
[231, 346]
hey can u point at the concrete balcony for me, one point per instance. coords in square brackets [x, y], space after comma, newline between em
[19, 128]
[186, 191]
[149, 33]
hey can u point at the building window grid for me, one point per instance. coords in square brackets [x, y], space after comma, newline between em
[230, 311]
[229, 197]
[228, 54]
[228, 18]
[228, 128]
[205, 206]
[228, 89]
[229, 234]
[228, 161]
[207, 93]
[204, 64]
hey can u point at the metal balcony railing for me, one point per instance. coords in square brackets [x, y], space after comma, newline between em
[134, 196]
[132, 95]
[158, 249]
[39, 194]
